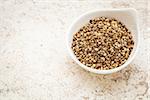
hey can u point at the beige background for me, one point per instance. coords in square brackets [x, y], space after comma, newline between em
[35, 65]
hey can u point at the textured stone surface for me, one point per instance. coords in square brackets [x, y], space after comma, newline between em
[35, 65]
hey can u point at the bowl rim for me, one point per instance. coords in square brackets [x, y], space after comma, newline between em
[114, 69]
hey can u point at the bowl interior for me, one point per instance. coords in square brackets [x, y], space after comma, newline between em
[127, 16]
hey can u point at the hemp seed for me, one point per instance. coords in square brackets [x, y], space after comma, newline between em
[103, 43]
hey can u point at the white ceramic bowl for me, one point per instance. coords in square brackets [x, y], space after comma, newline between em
[127, 16]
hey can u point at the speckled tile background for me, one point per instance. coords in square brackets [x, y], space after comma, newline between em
[35, 65]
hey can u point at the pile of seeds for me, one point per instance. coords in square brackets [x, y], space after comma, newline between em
[103, 43]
